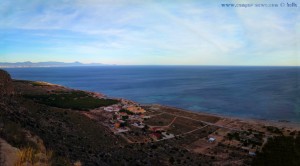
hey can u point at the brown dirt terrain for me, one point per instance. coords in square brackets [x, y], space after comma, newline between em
[8, 154]
[83, 134]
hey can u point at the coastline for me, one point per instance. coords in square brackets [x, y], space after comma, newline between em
[221, 103]
[278, 123]
[125, 125]
[266, 122]
[282, 123]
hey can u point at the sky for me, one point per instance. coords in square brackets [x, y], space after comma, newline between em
[135, 32]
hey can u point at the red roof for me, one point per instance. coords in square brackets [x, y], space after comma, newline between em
[157, 135]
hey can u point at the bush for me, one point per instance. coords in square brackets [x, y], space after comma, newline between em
[126, 111]
[281, 150]
[77, 100]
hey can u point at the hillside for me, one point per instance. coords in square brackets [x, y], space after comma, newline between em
[57, 125]
[6, 87]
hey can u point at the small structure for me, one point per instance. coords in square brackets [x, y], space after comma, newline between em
[121, 130]
[146, 117]
[108, 109]
[167, 135]
[134, 117]
[123, 114]
[112, 108]
[117, 125]
[245, 148]
[211, 139]
[121, 121]
[138, 124]
[155, 129]
[156, 136]
[252, 153]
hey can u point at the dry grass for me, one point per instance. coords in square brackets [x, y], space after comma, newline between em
[77, 163]
[160, 120]
[25, 155]
[193, 115]
[30, 156]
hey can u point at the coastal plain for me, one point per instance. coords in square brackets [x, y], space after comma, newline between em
[57, 125]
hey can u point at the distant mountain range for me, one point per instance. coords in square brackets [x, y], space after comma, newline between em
[45, 64]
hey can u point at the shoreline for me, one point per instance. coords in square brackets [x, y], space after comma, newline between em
[270, 122]
[278, 123]
[127, 125]
[288, 124]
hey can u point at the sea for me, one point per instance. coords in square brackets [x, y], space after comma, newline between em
[267, 93]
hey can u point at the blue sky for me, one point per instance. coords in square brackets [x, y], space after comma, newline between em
[149, 32]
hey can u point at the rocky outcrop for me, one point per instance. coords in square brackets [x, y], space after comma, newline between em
[6, 86]
[8, 154]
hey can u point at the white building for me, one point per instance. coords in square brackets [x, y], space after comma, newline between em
[211, 139]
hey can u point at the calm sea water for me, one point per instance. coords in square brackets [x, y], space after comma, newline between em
[250, 92]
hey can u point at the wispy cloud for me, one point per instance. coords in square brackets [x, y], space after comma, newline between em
[148, 32]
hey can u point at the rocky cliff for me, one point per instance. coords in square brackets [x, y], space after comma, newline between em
[6, 86]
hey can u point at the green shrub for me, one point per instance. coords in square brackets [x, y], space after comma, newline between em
[280, 150]
[77, 100]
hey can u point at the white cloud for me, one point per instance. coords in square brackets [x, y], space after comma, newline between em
[155, 31]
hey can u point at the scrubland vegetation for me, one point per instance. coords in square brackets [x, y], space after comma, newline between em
[68, 136]
[280, 150]
[77, 100]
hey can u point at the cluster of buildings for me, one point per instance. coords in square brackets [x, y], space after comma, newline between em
[127, 114]
[124, 114]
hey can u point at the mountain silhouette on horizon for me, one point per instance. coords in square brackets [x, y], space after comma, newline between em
[45, 64]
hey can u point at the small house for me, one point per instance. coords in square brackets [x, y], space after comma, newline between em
[211, 139]
[252, 153]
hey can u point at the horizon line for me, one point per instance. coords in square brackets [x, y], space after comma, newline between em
[104, 64]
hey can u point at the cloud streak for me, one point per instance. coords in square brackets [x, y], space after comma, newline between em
[148, 32]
